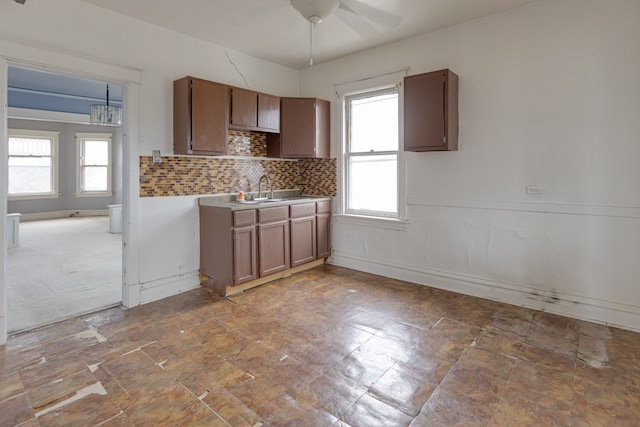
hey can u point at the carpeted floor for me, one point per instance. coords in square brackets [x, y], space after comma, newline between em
[62, 268]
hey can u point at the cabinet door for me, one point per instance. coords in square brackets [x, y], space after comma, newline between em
[304, 130]
[323, 222]
[244, 108]
[269, 112]
[273, 243]
[303, 240]
[297, 133]
[244, 255]
[208, 117]
[431, 111]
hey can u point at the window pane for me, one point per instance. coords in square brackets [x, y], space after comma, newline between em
[96, 152]
[29, 146]
[373, 183]
[30, 175]
[374, 123]
[94, 178]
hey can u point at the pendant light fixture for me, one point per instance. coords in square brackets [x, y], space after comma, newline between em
[105, 115]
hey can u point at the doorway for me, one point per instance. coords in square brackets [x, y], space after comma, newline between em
[68, 261]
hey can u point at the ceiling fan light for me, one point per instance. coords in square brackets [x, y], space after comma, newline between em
[315, 8]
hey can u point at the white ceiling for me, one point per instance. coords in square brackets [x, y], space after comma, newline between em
[274, 31]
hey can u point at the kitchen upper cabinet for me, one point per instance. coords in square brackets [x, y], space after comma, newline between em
[200, 117]
[244, 108]
[431, 111]
[273, 240]
[304, 129]
[269, 112]
[254, 111]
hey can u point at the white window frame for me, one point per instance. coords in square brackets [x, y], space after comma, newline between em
[54, 137]
[370, 85]
[349, 154]
[81, 138]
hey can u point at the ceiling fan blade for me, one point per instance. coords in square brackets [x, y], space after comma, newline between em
[372, 14]
[356, 22]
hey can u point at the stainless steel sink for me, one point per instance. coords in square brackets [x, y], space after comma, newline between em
[248, 202]
[263, 200]
[259, 202]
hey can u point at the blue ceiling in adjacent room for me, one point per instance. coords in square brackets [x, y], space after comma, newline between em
[43, 90]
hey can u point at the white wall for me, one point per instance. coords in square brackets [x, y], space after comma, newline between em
[162, 55]
[71, 27]
[549, 95]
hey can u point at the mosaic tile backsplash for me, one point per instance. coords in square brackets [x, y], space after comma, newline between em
[191, 175]
[250, 144]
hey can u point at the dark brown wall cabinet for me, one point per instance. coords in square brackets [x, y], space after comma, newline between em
[204, 111]
[304, 129]
[431, 111]
[273, 240]
[200, 117]
[254, 111]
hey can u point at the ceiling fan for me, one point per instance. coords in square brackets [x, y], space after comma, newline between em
[355, 13]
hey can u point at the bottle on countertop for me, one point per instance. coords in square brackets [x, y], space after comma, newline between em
[241, 196]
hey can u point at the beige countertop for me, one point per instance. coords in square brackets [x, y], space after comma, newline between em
[285, 199]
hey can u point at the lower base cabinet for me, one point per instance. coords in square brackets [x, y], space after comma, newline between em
[244, 255]
[303, 233]
[228, 246]
[241, 246]
[323, 228]
[273, 240]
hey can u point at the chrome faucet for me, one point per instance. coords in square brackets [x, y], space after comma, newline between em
[260, 186]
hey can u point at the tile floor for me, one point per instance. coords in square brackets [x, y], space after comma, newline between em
[328, 347]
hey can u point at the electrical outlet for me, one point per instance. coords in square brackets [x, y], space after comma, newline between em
[534, 189]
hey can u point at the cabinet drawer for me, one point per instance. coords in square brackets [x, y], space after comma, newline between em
[302, 210]
[324, 206]
[242, 218]
[277, 213]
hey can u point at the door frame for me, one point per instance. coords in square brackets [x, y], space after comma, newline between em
[55, 60]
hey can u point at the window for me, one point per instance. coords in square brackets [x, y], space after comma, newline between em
[371, 153]
[94, 164]
[33, 164]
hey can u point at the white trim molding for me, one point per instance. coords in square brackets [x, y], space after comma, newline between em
[39, 216]
[610, 313]
[168, 286]
[370, 221]
[526, 206]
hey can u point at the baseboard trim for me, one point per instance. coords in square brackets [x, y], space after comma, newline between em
[615, 314]
[63, 214]
[235, 290]
[162, 288]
